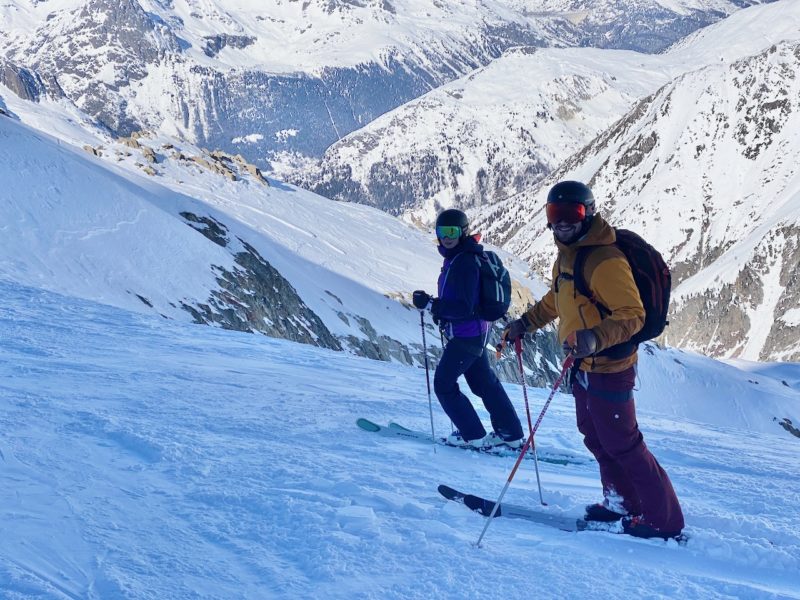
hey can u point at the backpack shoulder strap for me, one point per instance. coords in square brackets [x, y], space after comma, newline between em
[447, 273]
[578, 274]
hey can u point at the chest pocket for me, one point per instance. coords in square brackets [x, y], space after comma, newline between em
[575, 310]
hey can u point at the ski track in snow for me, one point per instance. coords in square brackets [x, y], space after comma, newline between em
[146, 459]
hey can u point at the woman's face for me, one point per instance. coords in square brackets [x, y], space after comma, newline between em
[449, 243]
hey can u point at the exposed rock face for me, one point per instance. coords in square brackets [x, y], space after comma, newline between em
[23, 82]
[763, 302]
[789, 426]
[96, 51]
[382, 347]
[256, 297]
[217, 42]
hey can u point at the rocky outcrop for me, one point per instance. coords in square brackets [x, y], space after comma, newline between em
[215, 43]
[255, 297]
[790, 427]
[93, 151]
[23, 82]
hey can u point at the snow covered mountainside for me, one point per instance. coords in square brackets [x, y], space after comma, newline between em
[491, 138]
[483, 137]
[285, 79]
[142, 458]
[706, 170]
[501, 129]
[169, 230]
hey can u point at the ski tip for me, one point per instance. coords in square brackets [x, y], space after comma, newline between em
[393, 425]
[368, 425]
[447, 491]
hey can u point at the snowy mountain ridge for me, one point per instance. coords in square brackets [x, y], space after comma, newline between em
[289, 77]
[701, 170]
[503, 128]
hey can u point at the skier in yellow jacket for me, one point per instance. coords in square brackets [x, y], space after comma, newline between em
[635, 487]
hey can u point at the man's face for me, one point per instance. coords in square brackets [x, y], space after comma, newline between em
[566, 220]
[566, 233]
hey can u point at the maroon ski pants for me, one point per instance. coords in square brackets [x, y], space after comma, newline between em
[606, 416]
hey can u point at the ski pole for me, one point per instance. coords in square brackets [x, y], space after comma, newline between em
[427, 376]
[518, 350]
[567, 364]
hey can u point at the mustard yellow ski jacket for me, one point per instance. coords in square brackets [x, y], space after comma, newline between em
[608, 276]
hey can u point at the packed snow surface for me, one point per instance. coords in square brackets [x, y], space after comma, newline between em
[143, 458]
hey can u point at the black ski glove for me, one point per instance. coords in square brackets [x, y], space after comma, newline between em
[517, 328]
[420, 299]
[436, 311]
[581, 343]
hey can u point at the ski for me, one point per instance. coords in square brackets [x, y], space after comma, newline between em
[398, 431]
[484, 507]
[511, 511]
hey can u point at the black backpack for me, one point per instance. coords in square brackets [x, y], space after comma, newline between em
[653, 279]
[495, 287]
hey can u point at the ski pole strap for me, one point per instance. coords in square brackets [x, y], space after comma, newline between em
[502, 345]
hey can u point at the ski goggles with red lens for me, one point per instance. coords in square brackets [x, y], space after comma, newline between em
[452, 232]
[571, 213]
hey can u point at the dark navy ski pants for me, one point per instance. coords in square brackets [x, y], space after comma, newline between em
[467, 356]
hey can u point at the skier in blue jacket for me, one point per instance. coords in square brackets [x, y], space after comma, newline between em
[455, 311]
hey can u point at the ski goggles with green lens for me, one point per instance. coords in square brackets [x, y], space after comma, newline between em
[452, 232]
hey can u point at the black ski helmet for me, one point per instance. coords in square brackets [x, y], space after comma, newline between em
[572, 192]
[452, 217]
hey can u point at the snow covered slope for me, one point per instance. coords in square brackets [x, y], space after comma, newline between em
[143, 458]
[148, 225]
[81, 227]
